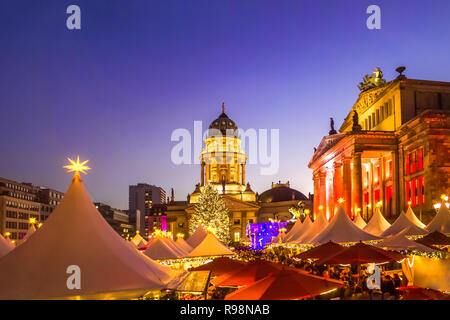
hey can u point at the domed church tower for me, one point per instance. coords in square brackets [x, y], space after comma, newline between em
[223, 161]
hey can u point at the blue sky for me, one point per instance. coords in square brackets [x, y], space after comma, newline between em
[114, 91]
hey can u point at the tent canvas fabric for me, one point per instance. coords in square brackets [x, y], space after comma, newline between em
[435, 238]
[182, 244]
[76, 234]
[441, 221]
[210, 246]
[321, 251]
[316, 227]
[197, 237]
[377, 224]
[342, 230]
[138, 241]
[181, 252]
[359, 221]
[5, 246]
[160, 249]
[400, 242]
[300, 232]
[411, 216]
[286, 284]
[30, 232]
[402, 223]
[292, 233]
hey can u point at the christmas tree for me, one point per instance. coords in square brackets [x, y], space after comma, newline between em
[211, 213]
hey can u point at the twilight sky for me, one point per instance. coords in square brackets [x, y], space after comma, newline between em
[114, 91]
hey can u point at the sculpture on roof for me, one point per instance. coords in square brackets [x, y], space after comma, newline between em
[332, 131]
[372, 81]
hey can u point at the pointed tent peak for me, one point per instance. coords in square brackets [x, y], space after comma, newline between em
[359, 221]
[197, 237]
[441, 221]
[77, 234]
[223, 107]
[210, 246]
[311, 229]
[299, 232]
[160, 249]
[183, 245]
[377, 224]
[400, 242]
[411, 216]
[30, 232]
[402, 223]
[5, 246]
[293, 232]
[341, 229]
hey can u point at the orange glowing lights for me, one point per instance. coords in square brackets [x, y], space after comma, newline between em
[341, 200]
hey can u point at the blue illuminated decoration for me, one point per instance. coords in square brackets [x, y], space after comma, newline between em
[263, 233]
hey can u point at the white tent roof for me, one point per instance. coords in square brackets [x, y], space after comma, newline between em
[210, 246]
[292, 233]
[411, 216]
[181, 252]
[400, 225]
[341, 229]
[377, 224]
[30, 231]
[183, 245]
[359, 221]
[161, 249]
[77, 234]
[5, 246]
[197, 237]
[138, 240]
[441, 221]
[400, 242]
[306, 225]
[313, 230]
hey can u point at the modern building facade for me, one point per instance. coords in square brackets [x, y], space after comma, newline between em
[21, 201]
[141, 198]
[393, 149]
[117, 219]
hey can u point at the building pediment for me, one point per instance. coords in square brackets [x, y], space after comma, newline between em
[327, 143]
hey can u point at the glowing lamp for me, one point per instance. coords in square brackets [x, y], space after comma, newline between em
[7, 234]
[379, 204]
[437, 206]
[358, 210]
[341, 201]
[307, 211]
[369, 206]
[320, 207]
[32, 220]
[180, 235]
[39, 225]
[409, 203]
[444, 197]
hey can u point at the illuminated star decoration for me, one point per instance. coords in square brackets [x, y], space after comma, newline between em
[77, 166]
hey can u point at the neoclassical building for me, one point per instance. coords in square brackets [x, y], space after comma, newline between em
[223, 164]
[392, 149]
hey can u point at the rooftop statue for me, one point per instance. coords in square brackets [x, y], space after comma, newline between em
[332, 131]
[372, 81]
[356, 126]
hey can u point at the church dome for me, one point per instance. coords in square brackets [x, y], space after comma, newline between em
[223, 123]
[281, 192]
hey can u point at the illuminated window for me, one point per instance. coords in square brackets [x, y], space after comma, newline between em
[407, 164]
[420, 159]
[413, 160]
[237, 236]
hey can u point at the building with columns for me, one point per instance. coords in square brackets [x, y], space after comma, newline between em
[392, 149]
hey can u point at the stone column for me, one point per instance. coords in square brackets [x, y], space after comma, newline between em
[330, 193]
[316, 193]
[243, 173]
[357, 182]
[371, 183]
[323, 190]
[202, 178]
[337, 182]
[238, 175]
[395, 184]
[347, 184]
[382, 184]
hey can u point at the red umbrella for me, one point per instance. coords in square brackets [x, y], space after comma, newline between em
[320, 252]
[250, 273]
[418, 293]
[221, 266]
[285, 284]
[361, 254]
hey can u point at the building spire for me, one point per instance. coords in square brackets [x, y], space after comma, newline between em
[223, 107]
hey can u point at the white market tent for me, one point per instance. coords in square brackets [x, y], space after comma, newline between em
[183, 244]
[293, 232]
[160, 249]
[138, 241]
[210, 246]
[400, 242]
[306, 225]
[197, 237]
[313, 230]
[400, 225]
[341, 229]
[76, 234]
[441, 221]
[359, 221]
[377, 224]
[5, 246]
[411, 216]
[30, 232]
[181, 252]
